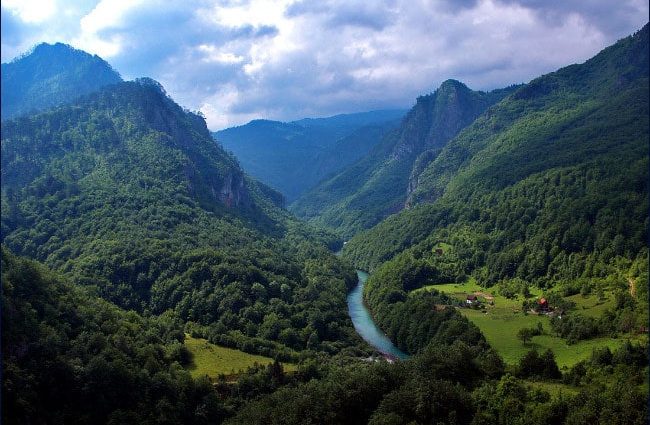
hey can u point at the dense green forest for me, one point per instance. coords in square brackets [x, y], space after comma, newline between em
[377, 185]
[126, 229]
[293, 157]
[106, 365]
[549, 184]
[50, 75]
[461, 383]
[126, 192]
[547, 189]
[70, 357]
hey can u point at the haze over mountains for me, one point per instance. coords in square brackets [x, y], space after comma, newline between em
[378, 184]
[127, 229]
[293, 157]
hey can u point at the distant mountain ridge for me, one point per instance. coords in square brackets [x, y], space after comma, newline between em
[378, 185]
[51, 75]
[294, 156]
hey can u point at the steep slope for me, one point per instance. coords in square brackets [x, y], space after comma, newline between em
[52, 74]
[70, 357]
[293, 157]
[125, 191]
[548, 185]
[378, 185]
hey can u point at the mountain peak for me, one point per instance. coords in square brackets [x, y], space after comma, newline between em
[51, 75]
[451, 83]
[58, 46]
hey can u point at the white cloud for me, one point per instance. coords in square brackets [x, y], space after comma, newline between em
[240, 59]
[214, 54]
[107, 14]
[31, 11]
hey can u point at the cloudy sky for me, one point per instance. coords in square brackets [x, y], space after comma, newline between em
[236, 60]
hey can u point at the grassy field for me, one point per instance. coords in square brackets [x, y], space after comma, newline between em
[452, 288]
[500, 329]
[590, 305]
[501, 322]
[555, 389]
[213, 360]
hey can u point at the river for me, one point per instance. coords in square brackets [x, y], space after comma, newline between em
[364, 324]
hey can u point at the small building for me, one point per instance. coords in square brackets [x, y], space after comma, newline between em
[439, 251]
[471, 300]
[542, 304]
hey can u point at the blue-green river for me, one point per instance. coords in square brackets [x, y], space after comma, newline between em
[364, 324]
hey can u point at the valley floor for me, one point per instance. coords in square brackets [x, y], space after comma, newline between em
[501, 322]
[212, 360]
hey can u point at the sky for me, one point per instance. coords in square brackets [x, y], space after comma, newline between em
[238, 60]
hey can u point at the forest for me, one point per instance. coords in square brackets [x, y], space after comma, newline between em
[124, 203]
[107, 365]
[505, 233]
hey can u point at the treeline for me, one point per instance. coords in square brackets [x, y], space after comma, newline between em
[391, 292]
[449, 384]
[69, 357]
[411, 319]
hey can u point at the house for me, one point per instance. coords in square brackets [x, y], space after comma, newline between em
[471, 300]
[542, 304]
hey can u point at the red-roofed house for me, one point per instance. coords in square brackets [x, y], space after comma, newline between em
[542, 303]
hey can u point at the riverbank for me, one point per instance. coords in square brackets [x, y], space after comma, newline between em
[366, 326]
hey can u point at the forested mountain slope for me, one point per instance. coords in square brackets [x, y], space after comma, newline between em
[70, 357]
[50, 75]
[293, 157]
[550, 184]
[125, 191]
[366, 192]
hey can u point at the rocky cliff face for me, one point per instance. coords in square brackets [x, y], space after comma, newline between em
[212, 175]
[381, 183]
[436, 118]
[233, 192]
[443, 115]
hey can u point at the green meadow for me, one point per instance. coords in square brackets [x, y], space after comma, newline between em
[501, 322]
[213, 360]
[555, 389]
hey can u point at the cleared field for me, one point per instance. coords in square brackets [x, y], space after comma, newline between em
[555, 389]
[213, 360]
[590, 305]
[501, 322]
[469, 287]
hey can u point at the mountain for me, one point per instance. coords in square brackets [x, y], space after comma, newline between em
[550, 184]
[545, 193]
[51, 75]
[126, 192]
[293, 157]
[364, 193]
